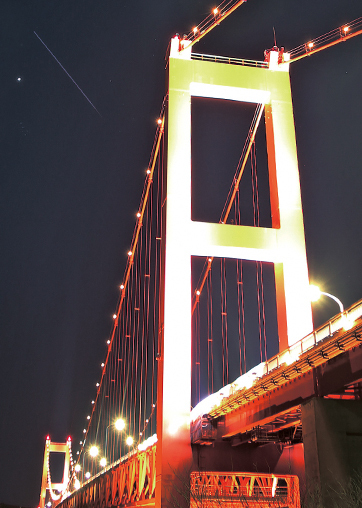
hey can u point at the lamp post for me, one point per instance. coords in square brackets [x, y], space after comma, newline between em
[316, 293]
[83, 463]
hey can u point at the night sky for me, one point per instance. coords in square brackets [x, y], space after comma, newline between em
[72, 170]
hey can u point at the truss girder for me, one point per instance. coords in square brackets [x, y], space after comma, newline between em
[244, 489]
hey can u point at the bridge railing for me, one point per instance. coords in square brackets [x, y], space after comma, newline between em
[228, 60]
[342, 320]
[131, 481]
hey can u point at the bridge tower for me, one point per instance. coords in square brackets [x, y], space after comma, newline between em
[46, 483]
[283, 244]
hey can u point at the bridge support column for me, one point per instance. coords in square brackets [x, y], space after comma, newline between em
[182, 238]
[332, 437]
[58, 448]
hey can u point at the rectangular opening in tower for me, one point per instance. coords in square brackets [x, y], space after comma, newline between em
[56, 465]
[234, 324]
[219, 130]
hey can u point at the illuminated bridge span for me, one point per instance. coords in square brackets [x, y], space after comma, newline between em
[340, 335]
[202, 303]
[266, 404]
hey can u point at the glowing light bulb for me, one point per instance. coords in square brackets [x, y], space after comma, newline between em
[138, 214]
[114, 316]
[84, 431]
[76, 484]
[88, 417]
[87, 475]
[314, 293]
[345, 29]
[159, 121]
[215, 11]
[121, 286]
[93, 451]
[195, 30]
[92, 401]
[108, 341]
[97, 384]
[310, 44]
[130, 253]
[129, 441]
[77, 468]
[198, 293]
[120, 424]
[148, 171]
[103, 462]
[80, 442]
[102, 364]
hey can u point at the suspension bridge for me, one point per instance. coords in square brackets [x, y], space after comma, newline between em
[183, 414]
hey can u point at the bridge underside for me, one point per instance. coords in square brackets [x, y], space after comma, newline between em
[304, 419]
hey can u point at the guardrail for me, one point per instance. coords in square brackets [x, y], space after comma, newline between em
[131, 481]
[227, 60]
[342, 320]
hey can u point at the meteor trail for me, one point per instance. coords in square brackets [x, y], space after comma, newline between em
[69, 76]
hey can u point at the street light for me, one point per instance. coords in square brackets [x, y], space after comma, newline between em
[93, 452]
[315, 293]
[129, 441]
[119, 425]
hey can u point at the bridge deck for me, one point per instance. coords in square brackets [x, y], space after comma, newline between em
[311, 367]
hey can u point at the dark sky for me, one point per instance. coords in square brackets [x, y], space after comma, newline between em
[71, 181]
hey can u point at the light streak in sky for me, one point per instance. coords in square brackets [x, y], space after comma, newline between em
[67, 73]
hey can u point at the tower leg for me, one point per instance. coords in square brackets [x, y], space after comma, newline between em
[44, 478]
[332, 437]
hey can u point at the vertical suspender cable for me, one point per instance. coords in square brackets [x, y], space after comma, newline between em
[224, 329]
[259, 267]
[210, 344]
[240, 292]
